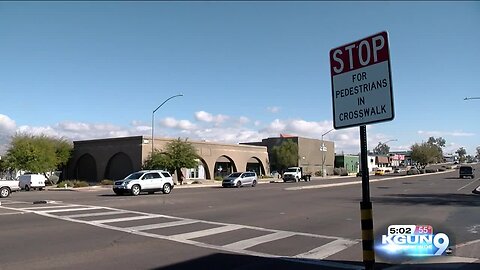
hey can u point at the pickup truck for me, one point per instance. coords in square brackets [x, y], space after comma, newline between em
[295, 174]
[7, 187]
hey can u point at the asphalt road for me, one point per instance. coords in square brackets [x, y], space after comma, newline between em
[305, 225]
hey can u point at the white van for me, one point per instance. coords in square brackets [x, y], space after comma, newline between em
[29, 181]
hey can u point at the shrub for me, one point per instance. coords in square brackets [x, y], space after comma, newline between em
[413, 171]
[430, 170]
[106, 182]
[265, 176]
[442, 169]
[73, 183]
[340, 171]
[78, 183]
[318, 173]
[218, 178]
[196, 182]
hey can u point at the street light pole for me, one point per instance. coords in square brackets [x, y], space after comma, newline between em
[322, 149]
[153, 117]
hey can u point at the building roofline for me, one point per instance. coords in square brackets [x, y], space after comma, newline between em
[142, 138]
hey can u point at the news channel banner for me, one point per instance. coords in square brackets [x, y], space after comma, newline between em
[403, 242]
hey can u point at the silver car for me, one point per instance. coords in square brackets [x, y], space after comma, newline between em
[239, 179]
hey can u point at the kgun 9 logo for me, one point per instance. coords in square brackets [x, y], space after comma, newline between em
[413, 241]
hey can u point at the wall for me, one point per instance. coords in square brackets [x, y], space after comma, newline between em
[90, 160]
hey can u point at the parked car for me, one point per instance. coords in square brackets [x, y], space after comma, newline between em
[466, 171]
[7, 187]
[379, 172]
[32, 181]
[144, 181]
[239, 179]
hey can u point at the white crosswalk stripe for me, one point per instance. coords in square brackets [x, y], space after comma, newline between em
[98, 219]
[161, 225]
[327, 249]
[248, 243]
[207, 232]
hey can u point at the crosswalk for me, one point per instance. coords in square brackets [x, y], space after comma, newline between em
[236, 238]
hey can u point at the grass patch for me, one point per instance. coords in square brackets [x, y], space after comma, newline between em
[106, 182]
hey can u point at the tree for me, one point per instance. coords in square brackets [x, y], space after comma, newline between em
[478, 152]
[37, 154]
[381, 149]
[461, 152]
[284, 155]
[177, 154]
[440, 142]
[426, 153]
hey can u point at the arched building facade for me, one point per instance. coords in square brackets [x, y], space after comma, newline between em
[115, 158]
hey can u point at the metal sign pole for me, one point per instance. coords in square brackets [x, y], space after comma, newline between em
[366, 206]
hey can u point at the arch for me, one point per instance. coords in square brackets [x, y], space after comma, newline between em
[118, 166]
[254, 164]
[86, 168]
[224, 165]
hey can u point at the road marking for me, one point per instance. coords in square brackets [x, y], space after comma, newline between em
[244, 244]
[48, 207]
[69, 210]
[359, 182]
[95, 214]
[12, 213]
[468, 243]
[11, 202]
[207, 232]
[239, 247]
[161, 225]
[124, 219]
[327, 249]
[467, 185]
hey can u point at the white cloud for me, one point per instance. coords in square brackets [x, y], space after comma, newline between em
[7, 129]
[171, 122]
[243, 120]
[209, 118]
[273, 109]
[445, 133]
[6, 124]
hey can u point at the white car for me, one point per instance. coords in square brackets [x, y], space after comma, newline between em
[148, 181]
[7, 187]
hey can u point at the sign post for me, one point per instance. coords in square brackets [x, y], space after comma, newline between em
[361, 95]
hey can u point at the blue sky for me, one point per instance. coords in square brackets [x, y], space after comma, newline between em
[247, 70]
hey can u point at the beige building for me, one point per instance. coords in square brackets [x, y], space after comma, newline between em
[313, 154]
[115, 158]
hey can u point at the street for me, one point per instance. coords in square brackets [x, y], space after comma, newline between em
[304, 225]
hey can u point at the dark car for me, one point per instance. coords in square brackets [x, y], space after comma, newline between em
[466, 171]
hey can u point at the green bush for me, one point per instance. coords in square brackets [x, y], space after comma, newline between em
[340, 171]
[413, 171]
[265, 176]
[106, 182]
[73, 183]
[218, 178]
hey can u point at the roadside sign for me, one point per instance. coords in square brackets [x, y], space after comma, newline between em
[361, 82]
